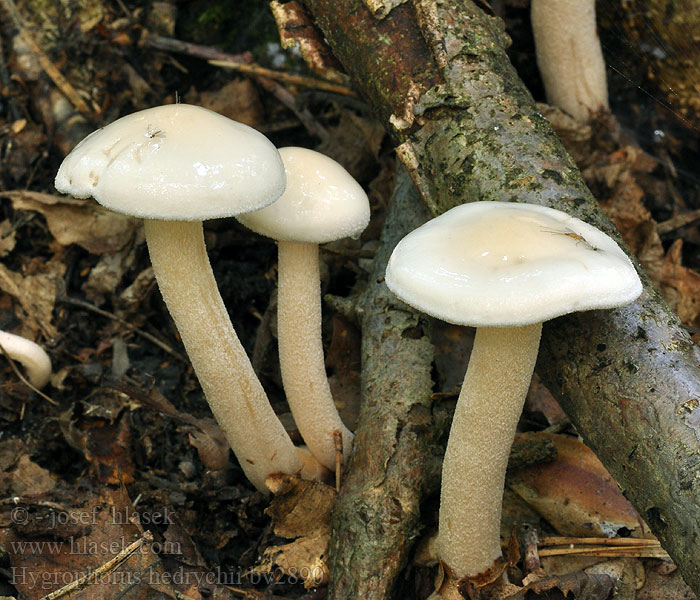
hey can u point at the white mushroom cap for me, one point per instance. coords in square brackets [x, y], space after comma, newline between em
[175, 162]
[505, 264]
[322, 202]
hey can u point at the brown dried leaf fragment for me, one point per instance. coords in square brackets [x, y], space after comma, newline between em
[301, 509]
[36, 294]
[101, 431]
[7, 238]
[238, 100]
[81, 222]
[578, 586]
[681, 286]
[211, 445]
[575, 493]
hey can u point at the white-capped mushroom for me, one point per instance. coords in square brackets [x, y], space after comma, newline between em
[569, 56]
[503, 268]
[322, 203]
[30, 355]
[176, 166]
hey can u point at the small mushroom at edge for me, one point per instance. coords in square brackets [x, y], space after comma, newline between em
[30, 355]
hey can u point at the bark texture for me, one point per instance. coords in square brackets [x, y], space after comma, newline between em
[377, 513]
[436, 74]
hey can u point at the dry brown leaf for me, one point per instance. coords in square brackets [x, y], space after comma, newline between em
[73, 541]
[138, 289]
[303, 559]
[36, 295]
[104, 437]
[7, 238]
[106, 275]
[540, 400]
[665, 587]
[300, 509]
[575, 135]
[578, 586]
[82, 222]
[681, 286]
[26, 478]
[576, 494]
[211, 444]
[238, 100]
[627, 572]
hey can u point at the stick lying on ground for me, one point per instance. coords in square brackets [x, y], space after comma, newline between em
[465, 126]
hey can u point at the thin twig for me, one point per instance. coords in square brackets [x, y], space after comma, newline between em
[603, 547]
[107, 567]
[312, 125]
[678, 221]
[212, 54]
[49, 68]
[109, 315]
[302, 80]
[608, 552]
[243, 64]
[600, 541]
[25, 380]
[338, 438]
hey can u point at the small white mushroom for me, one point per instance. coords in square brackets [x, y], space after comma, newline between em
[322, 203]
[176, 166]
[503, 268]
[31, 356]
[569, 56]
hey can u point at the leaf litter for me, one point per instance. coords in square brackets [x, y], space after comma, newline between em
[119, 473]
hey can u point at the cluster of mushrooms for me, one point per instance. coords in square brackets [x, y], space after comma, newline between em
[503, 268]
[178, 165]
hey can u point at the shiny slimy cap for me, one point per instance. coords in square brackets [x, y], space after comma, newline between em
[322, 202]
[505, 264]
[175, 162]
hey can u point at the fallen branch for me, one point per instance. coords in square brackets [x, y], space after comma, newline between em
[438, 77]
[378, 508]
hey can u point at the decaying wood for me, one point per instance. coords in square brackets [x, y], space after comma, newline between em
[378, 507]
[437, 75]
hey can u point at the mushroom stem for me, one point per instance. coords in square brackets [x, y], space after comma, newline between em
[301, 352]
[32, 357]
[483, 428]
[569, 56]
[234, 393]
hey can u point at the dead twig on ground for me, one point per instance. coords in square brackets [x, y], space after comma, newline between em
[49, 68]
[243, 63]
[109, 315]
[107, 567]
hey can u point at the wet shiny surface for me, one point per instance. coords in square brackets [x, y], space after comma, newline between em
[495, 263]
[177, 162]
[322, 202]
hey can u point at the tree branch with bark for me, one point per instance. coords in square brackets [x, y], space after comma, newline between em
[466, 128]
